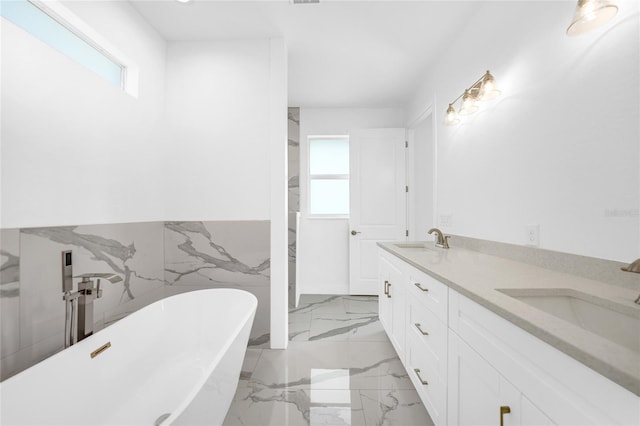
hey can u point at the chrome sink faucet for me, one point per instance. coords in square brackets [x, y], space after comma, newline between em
[442, 241]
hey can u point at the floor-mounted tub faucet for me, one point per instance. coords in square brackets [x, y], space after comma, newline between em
[82, 298]
[87, 294]
[442, 241]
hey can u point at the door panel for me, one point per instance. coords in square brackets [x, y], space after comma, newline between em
[378, 201]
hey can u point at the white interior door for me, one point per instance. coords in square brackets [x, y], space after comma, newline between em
[377, 201]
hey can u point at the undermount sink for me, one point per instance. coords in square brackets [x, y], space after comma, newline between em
[416, 246]
[608, 319]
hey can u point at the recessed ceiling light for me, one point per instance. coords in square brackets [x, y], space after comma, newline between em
[183, 1]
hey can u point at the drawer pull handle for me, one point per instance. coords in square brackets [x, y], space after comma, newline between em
[505, 409]
[386, 288]
[417, 371]
[424, 333]
[389, 290]
[420, 287]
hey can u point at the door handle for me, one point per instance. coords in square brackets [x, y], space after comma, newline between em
[386, 287]
[354, 232]
[505, 409]
[389, 290]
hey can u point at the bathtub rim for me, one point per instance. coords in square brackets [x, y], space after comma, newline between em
[90, 341]
[216, 360]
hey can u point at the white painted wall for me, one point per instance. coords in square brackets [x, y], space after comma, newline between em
[421, 174]
[75, 148]
[279, 183]
[218, 130]
[323, 252]
[205, 139]
[560, 147]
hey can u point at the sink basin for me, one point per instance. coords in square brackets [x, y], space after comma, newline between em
[611, 320]
[416, 246]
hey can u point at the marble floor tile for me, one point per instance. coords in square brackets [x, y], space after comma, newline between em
[339, 369]
[393, 407]
[362, 327]
[249, 365]
[361, 304]
[319, 303]
[299, 326]
[371, 365]
[255, 405]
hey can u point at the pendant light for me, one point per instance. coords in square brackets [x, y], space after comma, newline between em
[468, 103]
[488, 89]
[451, 118]
[591, 14]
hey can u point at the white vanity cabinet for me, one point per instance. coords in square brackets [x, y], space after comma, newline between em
[426, 358]
[479, 395]
[555, 388]
[467, 363]
[391, 299]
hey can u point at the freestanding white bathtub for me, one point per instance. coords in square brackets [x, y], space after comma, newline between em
[176, 361]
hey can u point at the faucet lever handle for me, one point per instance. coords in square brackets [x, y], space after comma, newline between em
[111, 277]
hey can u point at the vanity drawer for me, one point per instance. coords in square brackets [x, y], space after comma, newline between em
[432, 332]
[430, 292]
[427, 378]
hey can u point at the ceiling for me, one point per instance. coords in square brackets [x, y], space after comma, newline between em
[341, 53]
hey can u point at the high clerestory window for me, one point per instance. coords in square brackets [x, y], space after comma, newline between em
[329, 176]
[42, 21]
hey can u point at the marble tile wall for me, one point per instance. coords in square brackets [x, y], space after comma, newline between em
[9, 292]
[35, 326]
[222, 254]
[293, 155]
[197, 254]
[294, 194]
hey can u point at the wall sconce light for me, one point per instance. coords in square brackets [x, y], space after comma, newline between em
[483, 89]
[591, 14]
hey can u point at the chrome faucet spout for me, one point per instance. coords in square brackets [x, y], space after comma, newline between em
[87, 294]
[442, 241]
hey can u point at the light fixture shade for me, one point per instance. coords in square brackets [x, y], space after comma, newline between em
[451, 118]
[468, 104]
[591, 14]
[488, 88]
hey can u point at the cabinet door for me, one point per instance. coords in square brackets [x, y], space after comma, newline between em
[384, 303]
[530, 415]
[398, 310]
[476, 390]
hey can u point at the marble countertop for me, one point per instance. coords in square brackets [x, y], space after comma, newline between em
[480, 276]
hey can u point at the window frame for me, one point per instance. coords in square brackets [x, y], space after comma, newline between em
[67, 19]
[328, 176]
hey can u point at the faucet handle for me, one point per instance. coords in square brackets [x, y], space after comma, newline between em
[111, 277]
